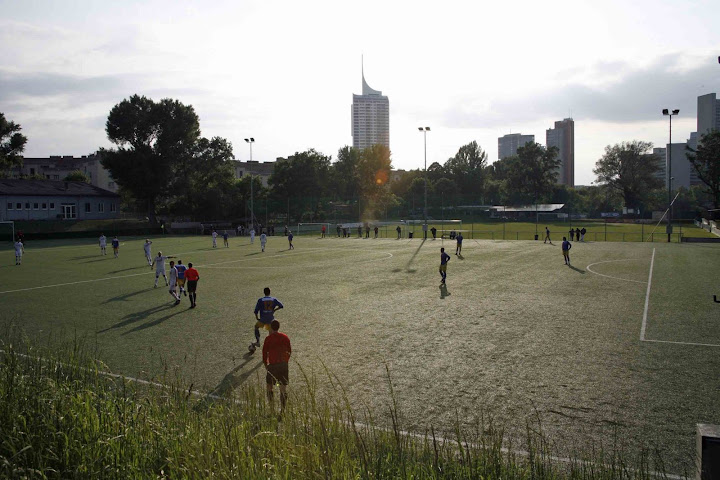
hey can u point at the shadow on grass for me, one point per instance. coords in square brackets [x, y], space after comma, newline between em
[123, 297]
[158, 321]
[84, 257]
[579, 270]
[136, 317]
[412, 258]
[444, 291]
[237, 376]
[129, 268]
[459, 255]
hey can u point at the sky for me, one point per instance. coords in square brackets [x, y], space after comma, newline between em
[283, 72]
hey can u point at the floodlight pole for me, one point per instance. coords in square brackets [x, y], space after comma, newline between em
[669, 173]
[425, 130]
[251, 140]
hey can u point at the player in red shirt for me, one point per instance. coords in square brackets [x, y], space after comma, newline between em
[276, 355]
[192, 276]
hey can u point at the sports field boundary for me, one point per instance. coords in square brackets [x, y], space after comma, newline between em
[413, 435]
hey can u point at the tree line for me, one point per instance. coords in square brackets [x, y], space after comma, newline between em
[164, 166]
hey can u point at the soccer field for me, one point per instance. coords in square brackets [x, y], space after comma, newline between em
[624, 346]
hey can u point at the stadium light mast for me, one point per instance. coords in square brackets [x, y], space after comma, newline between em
[669, 173]
[251, 140]
[424, 130]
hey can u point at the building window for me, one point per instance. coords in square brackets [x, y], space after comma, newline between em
[27, 205]
[44, 206]
[112, 207]
[36, 206]
[32, 171]
[101, 207]
[87, 208]
[18, 206]
[68, 210]
[10, 206]
[56, 177]
[52, 205]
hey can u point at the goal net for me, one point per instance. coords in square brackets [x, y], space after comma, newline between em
[312, 229]
[7, 231]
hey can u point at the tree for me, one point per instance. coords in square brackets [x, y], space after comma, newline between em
[533, 172]
[706, 162]
[12, 144]
[445, 186]
[77, 176]
[210, 179]
[155, 142]
[467, 168]
[373, 170]
[303, 174]
[344, 174]
[626, 169]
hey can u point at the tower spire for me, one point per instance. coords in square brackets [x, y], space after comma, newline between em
[366, 90]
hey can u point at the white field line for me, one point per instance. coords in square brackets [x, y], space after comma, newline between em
[610, 276]
[420, 436]
[647, 298]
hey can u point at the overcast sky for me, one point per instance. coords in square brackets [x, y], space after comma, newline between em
[284, 72]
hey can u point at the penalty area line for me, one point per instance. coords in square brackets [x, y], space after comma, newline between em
[647, 298]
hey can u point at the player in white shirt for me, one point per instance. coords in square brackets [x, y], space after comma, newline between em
[159, 262]
[103, 244]
[173, 282]
[19, 250]
[148, 255]
[214, 235]
[263, 241]
[252, 235]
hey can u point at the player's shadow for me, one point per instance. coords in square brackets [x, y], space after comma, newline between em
[126, 269]
[412, 258]
[237, 376]
[101, 259]
[136, 317]
[579, 270]
[122, 298]
[444, 291]
[155, 322]
[84, 257]
[459, 255]
[253, 253]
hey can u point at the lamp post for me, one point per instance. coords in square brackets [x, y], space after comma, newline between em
[251, 140]
[424, 130]
[669, 172]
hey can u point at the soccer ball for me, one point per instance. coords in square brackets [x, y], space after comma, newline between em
[251, 348]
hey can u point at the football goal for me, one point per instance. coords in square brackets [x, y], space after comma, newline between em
[7, 230]
[312, 229]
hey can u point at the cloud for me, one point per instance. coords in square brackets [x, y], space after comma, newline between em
[616, 92]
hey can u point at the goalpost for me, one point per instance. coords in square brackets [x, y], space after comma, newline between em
[3, 229]
[310, 228]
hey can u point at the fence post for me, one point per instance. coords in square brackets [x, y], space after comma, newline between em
[642, 229]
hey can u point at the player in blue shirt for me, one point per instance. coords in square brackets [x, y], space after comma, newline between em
[566, 250]
[444, 259]
[459, 240]
[181, 277]
[290, 239]
[265, 309]
[116, 246]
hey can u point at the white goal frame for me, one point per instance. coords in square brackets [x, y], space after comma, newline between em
[12, 225]
[312, 227]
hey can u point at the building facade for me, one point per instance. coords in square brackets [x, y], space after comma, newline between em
[509, 144]
[708, 113]
[57, 167]
[55, 200]
[255, 168]
[370, 116]
[563, 137]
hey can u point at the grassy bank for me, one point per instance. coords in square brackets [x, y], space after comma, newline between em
[65, 418]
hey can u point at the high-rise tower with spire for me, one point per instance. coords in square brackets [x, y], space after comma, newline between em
[370, 114]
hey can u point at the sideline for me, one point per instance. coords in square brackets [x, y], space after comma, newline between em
[415, 435]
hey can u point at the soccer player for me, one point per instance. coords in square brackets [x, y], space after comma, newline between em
[444, 259]
[19, 250]
[290, 239]
[265, 309]
[159, 263]
[566, 250]
[458, 248]
[276, 355]
[547, 236]
[263, 241]
[433, 230]
[103, 244]
[398, 229]
[148, 255]
[116, 246]
[173, 282]
[214, 237]
[225, 239]
[181, 277]
[322, 232]
[252, 235]
[192, 276]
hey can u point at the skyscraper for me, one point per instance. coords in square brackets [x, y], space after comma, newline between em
[563, 137]
[370, 114]
[508, 144]
[708, 113]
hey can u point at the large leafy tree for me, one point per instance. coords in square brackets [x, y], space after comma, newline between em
[344, 173]
[12, 144]
[373, 170]
[533, 172]
[209, 180]
[628, 170]
[155, 142]
[304, 174]
[467, 168]
[706, 161]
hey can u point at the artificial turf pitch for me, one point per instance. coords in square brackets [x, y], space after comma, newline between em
[516, 334]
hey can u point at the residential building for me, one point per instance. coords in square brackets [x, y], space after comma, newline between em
[509, 144]
[51, 200]
[255, 168]
[563, 137]
[370, 116]
[57, 167]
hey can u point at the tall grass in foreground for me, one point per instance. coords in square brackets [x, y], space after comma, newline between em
[63, 418]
